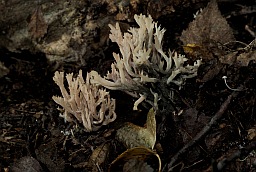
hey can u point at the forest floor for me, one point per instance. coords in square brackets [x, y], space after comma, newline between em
[34, 138]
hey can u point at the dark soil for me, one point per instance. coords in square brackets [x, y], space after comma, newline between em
[30, 125]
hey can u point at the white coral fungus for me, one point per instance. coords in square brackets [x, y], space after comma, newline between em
[85, 102]
[142, 61]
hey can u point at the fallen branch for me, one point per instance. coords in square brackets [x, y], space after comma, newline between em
[216, 117]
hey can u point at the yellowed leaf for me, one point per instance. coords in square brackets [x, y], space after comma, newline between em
[136, 160]
[139, 136]
[151, 126]
[191, 48]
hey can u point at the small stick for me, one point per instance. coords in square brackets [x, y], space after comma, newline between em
[217, 116]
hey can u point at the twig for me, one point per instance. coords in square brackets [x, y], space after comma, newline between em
[217, 116]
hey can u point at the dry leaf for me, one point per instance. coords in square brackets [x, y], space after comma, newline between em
[98, 157]
[251, 135]
[136, 160]
[229, 58]
[210, 70]
[208, 29]
[26, 163]
[242, 59]
[37, 26]
[245, 58]
[139, 136]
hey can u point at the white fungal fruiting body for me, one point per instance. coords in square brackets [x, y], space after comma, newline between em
[142, 61]
[84, 102]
